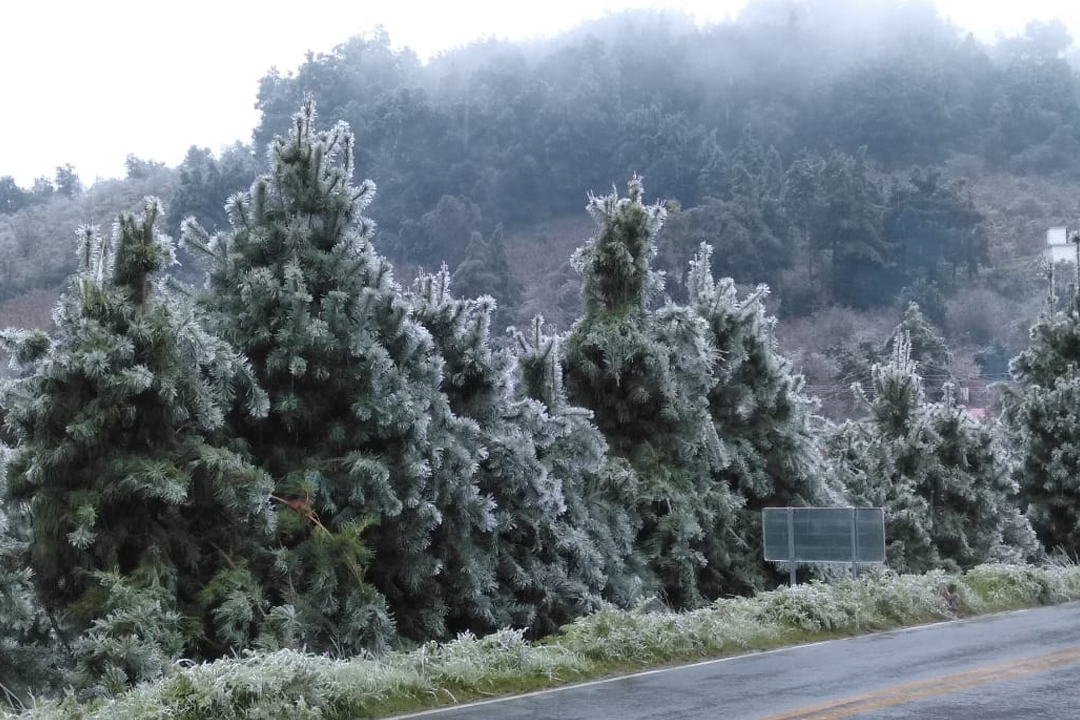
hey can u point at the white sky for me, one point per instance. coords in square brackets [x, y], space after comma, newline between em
[89, 81]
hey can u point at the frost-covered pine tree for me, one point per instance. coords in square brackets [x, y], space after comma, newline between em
[939, 474]
[646, 374]
[883, 457]
[376, 495]
[974, 502]
[757, 405]
[30, 657]
[1041, 417]
[599, 487]
[121, 459]
[927, 347]
[541, 553]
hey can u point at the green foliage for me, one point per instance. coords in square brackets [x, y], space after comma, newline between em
[485, 271]
[139, 169]
[1032, 123]
[846, 229]
[520, 132]
[1040, 413]
[758, 408]
[926, 346]
[205, 181]
[757, 404]
[368, 456]
[30, 657]
[428, 480]
[934, 228]
[668, 148]
[743, 215]
[67, 181]
[12, 197]
[646, 375]
[445, 232]
[889, 104]
[117, 420]
[540, 464]
[35, 241]
[941, 476]
[137, 635]
[600, 488]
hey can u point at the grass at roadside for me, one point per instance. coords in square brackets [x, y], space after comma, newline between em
[307, 687]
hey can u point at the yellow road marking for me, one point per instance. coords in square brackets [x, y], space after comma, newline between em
[792, 715]
[900, 694]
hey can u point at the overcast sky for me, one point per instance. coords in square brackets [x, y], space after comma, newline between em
[89, 82]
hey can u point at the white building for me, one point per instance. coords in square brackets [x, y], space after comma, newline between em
[1058, 247]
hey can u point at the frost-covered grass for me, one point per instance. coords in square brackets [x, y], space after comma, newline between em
[294, 685]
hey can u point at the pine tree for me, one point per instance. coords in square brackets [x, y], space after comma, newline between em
[30, 657]
[646, 375]
[376, 492]
[600, 488]
[974, 502]
[541, 553]
[927, 347]
[120, 455]
[885, 457]
[485, 271]
[845, 229]
[757, 406]
[1040, 413]
[939, 474]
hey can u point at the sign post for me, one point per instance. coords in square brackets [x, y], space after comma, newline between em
[854, 544]
[791, 545]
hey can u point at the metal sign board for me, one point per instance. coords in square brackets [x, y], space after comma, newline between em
[824, 535]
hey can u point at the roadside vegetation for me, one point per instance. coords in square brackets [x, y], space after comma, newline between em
[291, 684]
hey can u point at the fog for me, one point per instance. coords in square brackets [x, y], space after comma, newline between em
[88, 83]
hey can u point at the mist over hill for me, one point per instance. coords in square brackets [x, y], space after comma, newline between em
[853, 156]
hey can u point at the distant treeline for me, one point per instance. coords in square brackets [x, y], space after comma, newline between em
[780, 136]
[776, 128]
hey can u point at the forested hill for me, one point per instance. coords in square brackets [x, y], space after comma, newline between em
[849, 154]
[775, 128]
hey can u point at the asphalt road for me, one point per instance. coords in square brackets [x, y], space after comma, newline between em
[1019, 666]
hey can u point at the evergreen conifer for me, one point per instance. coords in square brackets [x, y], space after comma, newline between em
[927, 347]
[646, 374]
[30, 657]
[376, 493]
[1040, 414]
[757, 406]
[485, 271]
[940, 475]
[542, 553]
[595, 482]
[120, 457]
